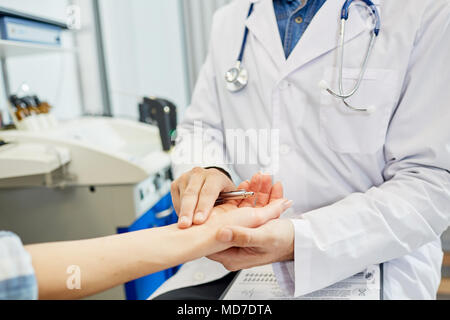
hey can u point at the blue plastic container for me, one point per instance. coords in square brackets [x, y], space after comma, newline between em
[143, 288]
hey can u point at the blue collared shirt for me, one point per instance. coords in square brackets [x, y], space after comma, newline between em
[294, 17]
[17, 278]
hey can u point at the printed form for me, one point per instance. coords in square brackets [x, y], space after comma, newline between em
[261, 284]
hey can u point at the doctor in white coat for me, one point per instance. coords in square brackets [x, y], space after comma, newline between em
[368, 188]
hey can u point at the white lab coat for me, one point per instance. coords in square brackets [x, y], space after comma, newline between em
[368, 189]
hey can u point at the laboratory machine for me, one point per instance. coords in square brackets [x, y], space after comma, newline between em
[81, 179]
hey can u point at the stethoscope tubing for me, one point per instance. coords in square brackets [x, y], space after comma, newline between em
[342, 95]
[346, 12]
[241, 80]
[244, 41]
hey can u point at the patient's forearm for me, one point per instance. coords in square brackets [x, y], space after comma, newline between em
[107, 262]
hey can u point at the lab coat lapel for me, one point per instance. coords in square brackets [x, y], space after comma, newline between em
[263, 25]
[322, 35]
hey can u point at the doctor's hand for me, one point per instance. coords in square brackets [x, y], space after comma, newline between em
[244, 215]
[195, 193]
[266, 195]
[271, 243]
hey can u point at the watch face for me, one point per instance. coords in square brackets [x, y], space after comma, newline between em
[232, 75]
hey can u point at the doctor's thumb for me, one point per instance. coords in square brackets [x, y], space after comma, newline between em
[240, 237]
[225, 235]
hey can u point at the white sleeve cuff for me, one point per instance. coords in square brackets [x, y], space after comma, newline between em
[295, 277]
[285, 274]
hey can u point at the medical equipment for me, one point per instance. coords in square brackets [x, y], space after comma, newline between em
[106, 174]
[237, 77]
[30, 161]
[162, 113]
[234, 195]
[375, 32]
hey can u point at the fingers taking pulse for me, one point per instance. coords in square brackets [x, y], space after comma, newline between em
[195, 193]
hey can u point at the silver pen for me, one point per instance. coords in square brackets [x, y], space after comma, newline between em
[234, 195]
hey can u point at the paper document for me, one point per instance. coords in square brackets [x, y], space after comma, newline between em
[261, 284]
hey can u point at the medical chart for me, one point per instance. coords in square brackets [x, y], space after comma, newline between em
[261, 284]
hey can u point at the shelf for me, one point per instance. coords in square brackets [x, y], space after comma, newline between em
[5, 12]
[15, 49]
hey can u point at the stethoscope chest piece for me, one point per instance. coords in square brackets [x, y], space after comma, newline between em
[236, 78]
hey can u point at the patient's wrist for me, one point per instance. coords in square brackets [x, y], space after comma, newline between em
[205, 240]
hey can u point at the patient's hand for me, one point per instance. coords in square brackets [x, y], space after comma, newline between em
[270, 242]
[266, 205]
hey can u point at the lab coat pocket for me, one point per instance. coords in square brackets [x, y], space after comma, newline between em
[349, 131]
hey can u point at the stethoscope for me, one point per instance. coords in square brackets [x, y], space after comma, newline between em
[237, 77]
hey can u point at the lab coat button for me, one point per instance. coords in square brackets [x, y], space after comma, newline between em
[199, 276]
[285, 149]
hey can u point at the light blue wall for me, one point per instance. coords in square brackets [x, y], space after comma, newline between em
[145, 52]
[51, 76]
